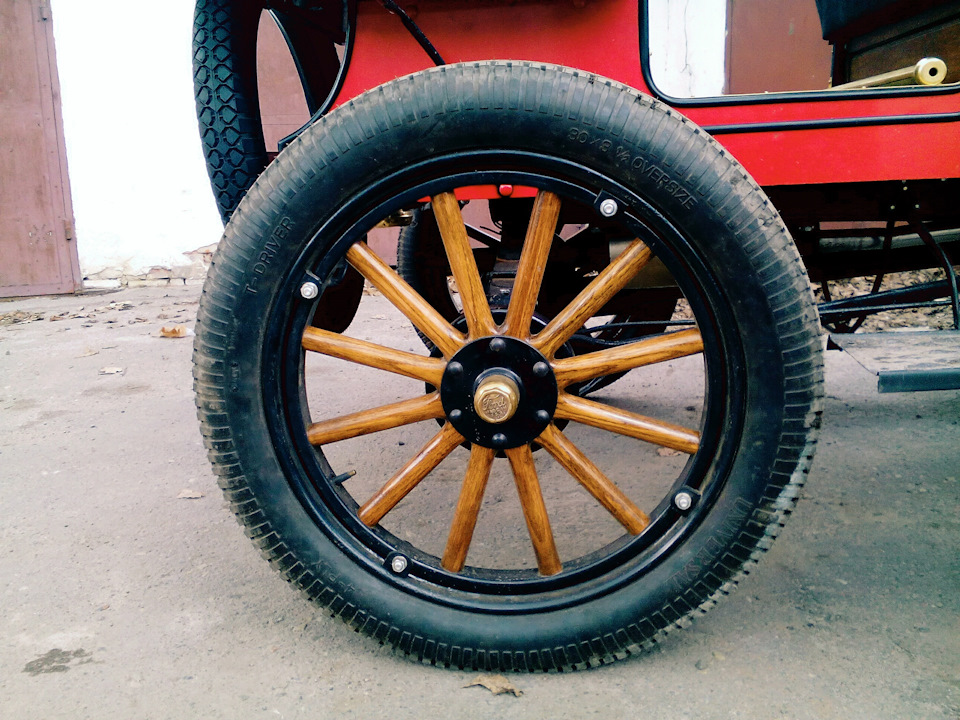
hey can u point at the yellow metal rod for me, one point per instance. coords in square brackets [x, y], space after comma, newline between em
[928, 71]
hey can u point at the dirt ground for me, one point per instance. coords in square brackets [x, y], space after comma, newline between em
[128, 591]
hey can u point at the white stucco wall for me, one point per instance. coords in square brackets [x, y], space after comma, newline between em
[688, 46]
[140, 191]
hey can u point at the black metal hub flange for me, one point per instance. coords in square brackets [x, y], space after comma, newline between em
[508, 357]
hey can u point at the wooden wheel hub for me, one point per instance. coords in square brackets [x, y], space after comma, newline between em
[499, 392]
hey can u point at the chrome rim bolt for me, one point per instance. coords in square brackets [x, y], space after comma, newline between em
[609, 207]
[309, 290]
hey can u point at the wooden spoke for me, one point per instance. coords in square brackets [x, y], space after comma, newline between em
[407, 300]
[624, 422]
[428, 369]
[468, 506]
[407, 478]
[533, 259]
[534, 510]
[425, 407]
[626, 357]
[593, 479]
[476, 309]
[593, 297]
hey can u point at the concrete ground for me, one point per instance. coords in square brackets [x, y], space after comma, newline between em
[122, 598]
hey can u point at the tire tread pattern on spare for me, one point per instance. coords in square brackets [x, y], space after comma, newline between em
[528, 85]
[225, 88]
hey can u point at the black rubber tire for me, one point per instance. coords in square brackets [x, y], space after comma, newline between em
[590, 127]
[225, 86]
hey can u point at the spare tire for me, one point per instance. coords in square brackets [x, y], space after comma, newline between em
[225, 81]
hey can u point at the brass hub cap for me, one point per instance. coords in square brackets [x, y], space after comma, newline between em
[496, 398]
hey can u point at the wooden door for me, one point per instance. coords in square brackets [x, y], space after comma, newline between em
[38, 254]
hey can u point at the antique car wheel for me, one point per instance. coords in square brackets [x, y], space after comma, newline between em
[459, 545]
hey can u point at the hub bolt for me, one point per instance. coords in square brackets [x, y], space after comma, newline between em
[309, 290]
[609, 207]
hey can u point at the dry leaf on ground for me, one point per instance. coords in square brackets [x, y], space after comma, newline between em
[173, 331]
[190, 495]
[497, 684]
[19, 316]
[667, 452]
